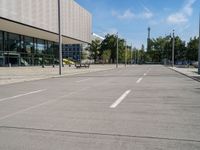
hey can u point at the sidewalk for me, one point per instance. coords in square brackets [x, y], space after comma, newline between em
[190, 72]
[21, 74]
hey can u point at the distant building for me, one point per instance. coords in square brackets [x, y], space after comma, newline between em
[75, 51]
[29, 30]
[97, 37]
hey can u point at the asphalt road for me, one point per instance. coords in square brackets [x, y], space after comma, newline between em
[134, 108]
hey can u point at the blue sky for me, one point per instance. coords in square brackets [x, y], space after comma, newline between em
[131, 18]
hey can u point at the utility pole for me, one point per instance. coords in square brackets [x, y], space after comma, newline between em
[199, 48]
[125, 60]
[117, 53]
[60, 38]
[173, 42]
[135, 56]
[131, 53]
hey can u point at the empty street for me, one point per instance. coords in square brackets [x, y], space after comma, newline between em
[134, 108]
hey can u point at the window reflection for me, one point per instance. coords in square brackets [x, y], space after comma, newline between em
[23, 50]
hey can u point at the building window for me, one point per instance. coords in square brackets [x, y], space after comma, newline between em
[1, 49]
[50, 48]
[1, 41]
[29, 45]
[23, 50]
[14, 42]
[40, 46]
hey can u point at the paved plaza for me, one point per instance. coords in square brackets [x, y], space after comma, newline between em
[134, 108]
[10, 75]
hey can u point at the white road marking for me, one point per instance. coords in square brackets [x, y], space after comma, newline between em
[148, 70]
[39, 105]
[82, 80]
[120, 99]
[139, 80]
[24, 110]
[20, 95]
[145, 74]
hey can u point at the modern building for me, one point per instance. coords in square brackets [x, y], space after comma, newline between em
[29, 30]
[73, 52]
[97, 37]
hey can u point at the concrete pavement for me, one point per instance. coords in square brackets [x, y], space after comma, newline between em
[9, 75]
[190, 72]
[155, 108]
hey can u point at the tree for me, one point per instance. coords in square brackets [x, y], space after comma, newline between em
[162, 49]
[106, 56]
[192, 49]
[110, 43]
[94, 49]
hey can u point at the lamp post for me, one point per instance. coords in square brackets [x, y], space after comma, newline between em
[125, 60]
[199, 48]
[131, 53]
[135, 56]
[117, 52]
[173, 42]
[60, 38]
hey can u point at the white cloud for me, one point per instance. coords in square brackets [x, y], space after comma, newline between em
[182, 15]
[129, 15]
[147, 14]
[177, 18]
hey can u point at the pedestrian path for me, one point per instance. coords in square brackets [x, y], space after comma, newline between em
[190, 72]
[21, 74]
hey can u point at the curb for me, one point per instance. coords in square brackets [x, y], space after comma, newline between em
[191, 77]
[58, 76]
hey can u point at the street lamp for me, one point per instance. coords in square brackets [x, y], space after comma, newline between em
[199, 48]
[60, 38]
[131, 53]
[135, 56]
[125, 60]
[117, 52]
[173, 42]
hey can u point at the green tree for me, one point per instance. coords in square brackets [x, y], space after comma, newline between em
[110, 43]
[94, 49]
[192, 49]
[106, 56]
[161, 49]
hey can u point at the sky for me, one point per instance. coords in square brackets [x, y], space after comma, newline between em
[131, 18]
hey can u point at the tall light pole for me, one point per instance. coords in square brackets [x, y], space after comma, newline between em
[135, 55]
[131, 54]
[117, 52]
[125, 60]
[60, 38]
[173, 42]
[199, 48]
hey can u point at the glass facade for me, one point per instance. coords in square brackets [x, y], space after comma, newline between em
[1, 49]
[72, 51]
[20, 50]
